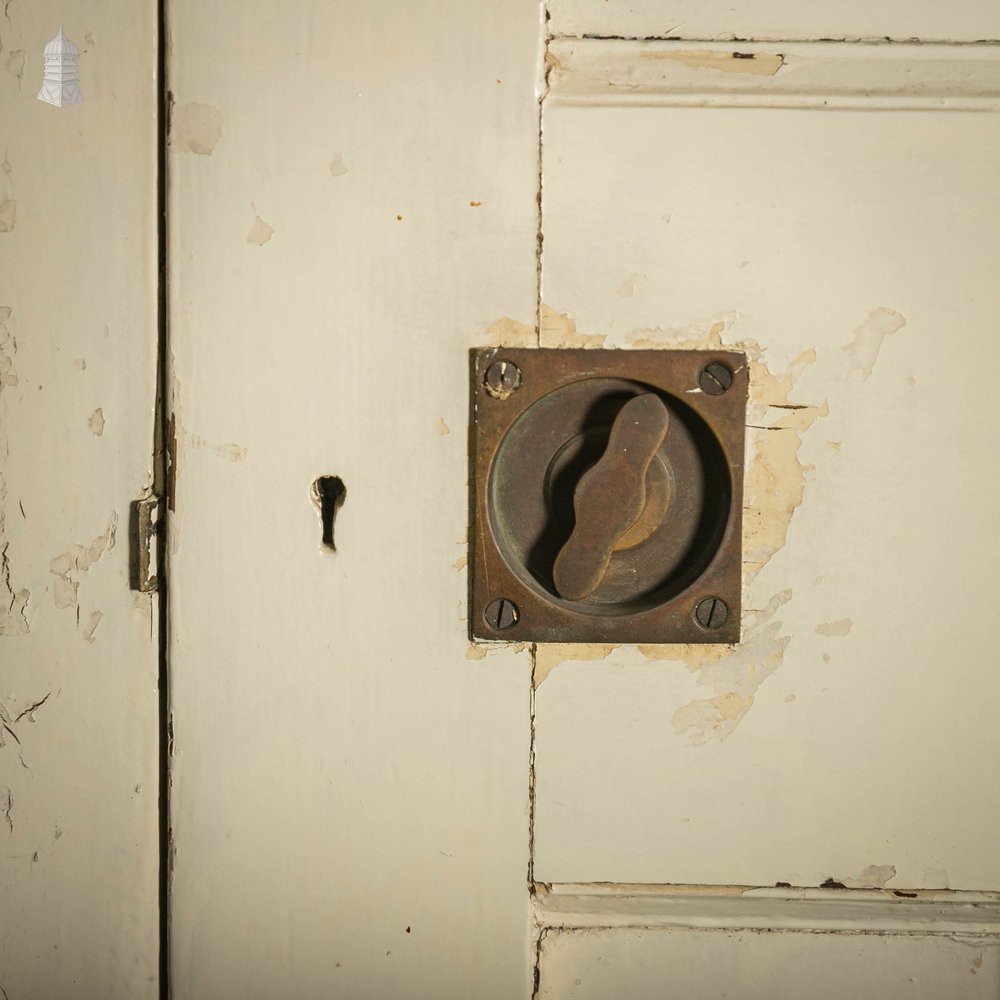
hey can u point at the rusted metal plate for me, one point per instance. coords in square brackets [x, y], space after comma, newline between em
[599, 516]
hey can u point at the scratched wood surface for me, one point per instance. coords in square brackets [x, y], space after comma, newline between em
[78, 654]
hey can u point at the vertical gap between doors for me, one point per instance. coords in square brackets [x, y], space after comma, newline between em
[160, 473]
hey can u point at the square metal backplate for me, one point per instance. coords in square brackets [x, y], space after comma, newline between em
[540, 418]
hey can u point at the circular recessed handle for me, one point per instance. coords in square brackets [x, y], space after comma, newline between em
[611, 497]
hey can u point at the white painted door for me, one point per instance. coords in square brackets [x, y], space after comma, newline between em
[79, 715]
[364, 804]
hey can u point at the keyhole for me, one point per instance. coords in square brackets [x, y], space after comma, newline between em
[328, 493]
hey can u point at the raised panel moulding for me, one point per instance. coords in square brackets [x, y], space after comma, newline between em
[804, 75]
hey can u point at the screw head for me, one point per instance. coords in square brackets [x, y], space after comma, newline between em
[502, 378]
[711, 613]
[502, 614]
[715, 378]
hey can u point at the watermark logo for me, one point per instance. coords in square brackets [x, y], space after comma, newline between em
[61, 85]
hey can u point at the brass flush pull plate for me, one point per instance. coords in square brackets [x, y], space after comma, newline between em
[607, 495]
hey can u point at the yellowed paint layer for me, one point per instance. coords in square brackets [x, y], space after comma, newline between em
[558, 329]
[507, 332]
[548, 655]
[752, 64]
[775, 479]
[735, 676]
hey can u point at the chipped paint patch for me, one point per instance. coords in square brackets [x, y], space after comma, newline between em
[628, 285]
[260, 231]
[558, 329]
[66, 568]
[13, 620]
[774, 478]
[443, 428]
[96, 422]
[195, 128]
[548, 656]
[91, 627]
[15, 65]
[735, 677]
[461, 562]
[864, 350]
[8, 214]
[873, 877]
[475, 653]
[749, 63]
[838, 628]
[337, 167]
[507, 332]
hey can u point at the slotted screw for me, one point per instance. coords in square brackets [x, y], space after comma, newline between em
[711, 613]
[502, 614]
[502, 378]
[715, 378]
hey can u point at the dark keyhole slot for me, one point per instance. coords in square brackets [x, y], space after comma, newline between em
[329, 493]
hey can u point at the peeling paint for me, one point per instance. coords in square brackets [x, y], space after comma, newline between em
[337, 168]
[15, 65]
[260, 231]
[548, 655]
[775, 479]
[91, 627]
[864, 350]
[873, 877]
[66, 568]
[752, 64]
[838, 628]
[461, 562]
[8, 214]
[195, 128]
[475, 653]
[443, 427]
[507, 332]
[735, 674]
[559, 330]
[6, 805]
[30, 710]
[628, 285]
[13, 620]
[96, 422]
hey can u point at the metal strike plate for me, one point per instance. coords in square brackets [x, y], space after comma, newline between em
[607, 495]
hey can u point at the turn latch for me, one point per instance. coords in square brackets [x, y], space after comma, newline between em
[607, 495]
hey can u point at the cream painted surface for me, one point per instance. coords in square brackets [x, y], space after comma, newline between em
[353, 208]
[851, 254]
[78, 650]
[604, 964]
[358, 795]
[900, 20]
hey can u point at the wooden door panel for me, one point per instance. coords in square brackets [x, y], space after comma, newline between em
[79, 666]
[849, 253]
[353, 191]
